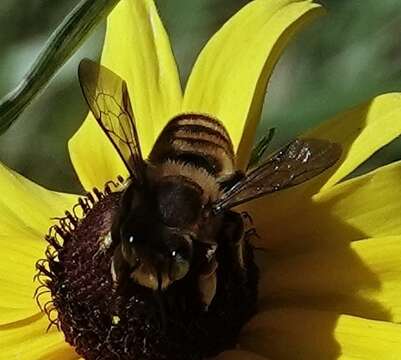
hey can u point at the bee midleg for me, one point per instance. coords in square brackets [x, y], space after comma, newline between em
[234, 232]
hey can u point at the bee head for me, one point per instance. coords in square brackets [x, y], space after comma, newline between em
[156, 232]
[157, 264]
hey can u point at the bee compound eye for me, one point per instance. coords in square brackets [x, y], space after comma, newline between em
[178, 269]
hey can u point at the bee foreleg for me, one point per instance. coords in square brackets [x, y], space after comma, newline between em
[118, 267]
[104, 243]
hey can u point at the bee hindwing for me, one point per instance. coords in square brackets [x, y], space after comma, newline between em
[296, 163]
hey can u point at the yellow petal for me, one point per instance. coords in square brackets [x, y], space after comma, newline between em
[361, 132]
[293, 333]
[137, 48]
[10, 315]
[28, 340]
[26, 205]
[238, 355]
[26, 209]
[367, 206]
[17, 269]
[363, 279]
[230, 76]
[360, 338]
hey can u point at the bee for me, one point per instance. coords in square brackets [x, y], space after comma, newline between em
[177, 206]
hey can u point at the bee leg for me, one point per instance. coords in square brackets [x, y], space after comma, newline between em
[118, 267]
[233, 233]
[119, 272]
[104, 243]
[207, 284]
[251, 233]
[247, 219]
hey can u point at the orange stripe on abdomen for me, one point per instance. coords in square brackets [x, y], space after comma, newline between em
[196, 139]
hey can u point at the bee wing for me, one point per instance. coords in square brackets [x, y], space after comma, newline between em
[108, 99]
[299, 161]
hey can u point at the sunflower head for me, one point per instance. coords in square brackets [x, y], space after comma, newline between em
[100, 320]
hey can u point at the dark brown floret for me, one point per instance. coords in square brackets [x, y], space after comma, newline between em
[104, 323]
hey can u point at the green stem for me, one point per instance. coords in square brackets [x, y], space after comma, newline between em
[58, 49]
[260, 148]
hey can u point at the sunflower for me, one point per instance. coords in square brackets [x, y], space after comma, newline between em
[330, 284]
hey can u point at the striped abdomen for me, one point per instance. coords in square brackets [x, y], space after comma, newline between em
[198, 140]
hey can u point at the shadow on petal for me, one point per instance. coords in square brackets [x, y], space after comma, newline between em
[356, 209]
[310, 264]
[329, 281]
[294, 275]
[334, 279]
[300, 224]
[292, 333]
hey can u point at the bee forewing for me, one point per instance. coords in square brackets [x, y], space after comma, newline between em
[108, 99]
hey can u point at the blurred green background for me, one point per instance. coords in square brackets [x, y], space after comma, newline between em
[344, 58]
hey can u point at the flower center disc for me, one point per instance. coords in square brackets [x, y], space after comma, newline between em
[101, 322]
